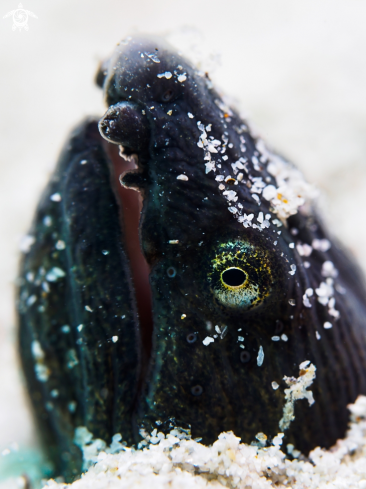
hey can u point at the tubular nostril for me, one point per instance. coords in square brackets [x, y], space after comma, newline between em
[124, 124]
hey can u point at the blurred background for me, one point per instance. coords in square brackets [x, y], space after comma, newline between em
[296, 67]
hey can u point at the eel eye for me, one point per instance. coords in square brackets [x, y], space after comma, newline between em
[233, 277]
[168, 95]
[240, 275]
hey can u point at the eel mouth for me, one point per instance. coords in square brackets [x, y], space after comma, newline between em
[130, 202]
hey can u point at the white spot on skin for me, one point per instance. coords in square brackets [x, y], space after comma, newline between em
[269, 192]
[42, 372]
[209, 167]
[321, 244]
[327, 325]
[182, 78]
[260, 356]
[60, 245]
[329, 270]
[230, 195]
[208, 340]
[54, 274]
[26, 243]
[305, 298]
[37, 352]
[72, 406]
[173, 241]
[182, 177]
[47, 221]
[170, 112]
[31, 300]
[275, 386]
[72, 359]
[277, 223]
[275, 338]
[153, 57]
[293, 269]
[284, 337]
[190, 115]
[80, 327]
[291, 191]
[166, 75]
[317, 335]
[88, 308]
[297, 390]
[325, 291]
[56, 197]
[304, 249]
[114, 339]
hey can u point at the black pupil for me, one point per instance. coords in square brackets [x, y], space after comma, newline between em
[233, 277]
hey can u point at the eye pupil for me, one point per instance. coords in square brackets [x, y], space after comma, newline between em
[234, 277]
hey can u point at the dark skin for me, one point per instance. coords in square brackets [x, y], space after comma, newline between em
[129, 363]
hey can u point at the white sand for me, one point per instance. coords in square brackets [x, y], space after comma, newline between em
[176, 462]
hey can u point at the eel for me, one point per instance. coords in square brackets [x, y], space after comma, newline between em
[243, 281]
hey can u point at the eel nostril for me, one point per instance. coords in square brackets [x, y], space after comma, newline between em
[124, 124]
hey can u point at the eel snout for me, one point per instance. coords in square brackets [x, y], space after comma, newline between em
[125, 124]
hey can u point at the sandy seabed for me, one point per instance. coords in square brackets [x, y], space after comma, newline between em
[176, 462]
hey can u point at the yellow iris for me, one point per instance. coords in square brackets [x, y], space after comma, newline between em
[240, 276]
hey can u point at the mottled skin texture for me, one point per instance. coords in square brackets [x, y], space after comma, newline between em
[211, 388]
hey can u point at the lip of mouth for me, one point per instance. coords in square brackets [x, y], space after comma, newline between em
[131, 202]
